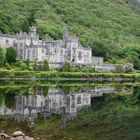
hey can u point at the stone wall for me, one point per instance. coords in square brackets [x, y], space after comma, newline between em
[7, 41]
[97, 60]
[105, 67]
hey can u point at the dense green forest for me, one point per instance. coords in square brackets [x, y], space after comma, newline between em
[110, 27]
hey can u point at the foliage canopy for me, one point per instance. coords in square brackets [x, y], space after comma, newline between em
[107, 26]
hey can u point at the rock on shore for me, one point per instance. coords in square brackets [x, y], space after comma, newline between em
[18, 135]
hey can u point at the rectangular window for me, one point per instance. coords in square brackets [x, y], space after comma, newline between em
[79, 100]
[21, 44]
[14, 43]
[55, 50]
[80, 55]
[66, 52]
[61, 52]
[34, 52]
[87, 54]
[47, 51]
[20, 53]
[7, 41]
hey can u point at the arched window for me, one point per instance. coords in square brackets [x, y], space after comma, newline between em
[80, 55]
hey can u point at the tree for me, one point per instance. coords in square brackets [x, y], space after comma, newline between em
[120, 68]
[1, 99]
[23, 66]
[5, 22]
[45, 66]
[101, 49]
[30, 66]
[11, 55]
[67, 67]
[10, 100]
[25, 25]
[45, 90]
[31, 17]
[128, 67]
[132, 55]
[35, 64]
[27, 62]
[2, 55]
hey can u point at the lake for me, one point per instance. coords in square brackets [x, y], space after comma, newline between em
[71, 111]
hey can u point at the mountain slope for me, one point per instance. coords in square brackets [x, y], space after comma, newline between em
[108, 26]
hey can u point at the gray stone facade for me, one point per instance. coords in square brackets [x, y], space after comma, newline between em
[69, 49]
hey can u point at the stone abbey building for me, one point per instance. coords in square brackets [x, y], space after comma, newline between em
[69, 49]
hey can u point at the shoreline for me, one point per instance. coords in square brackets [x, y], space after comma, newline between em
[117, 79]
[67, 76]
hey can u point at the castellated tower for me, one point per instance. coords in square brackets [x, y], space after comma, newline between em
[33, 32]
[65, 34]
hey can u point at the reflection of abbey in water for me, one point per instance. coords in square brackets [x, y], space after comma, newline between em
[55, 102]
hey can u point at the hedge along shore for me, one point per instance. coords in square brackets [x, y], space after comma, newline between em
[78, 76]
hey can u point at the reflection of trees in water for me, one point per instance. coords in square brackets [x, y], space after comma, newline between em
[10, 100]
[10, 125]
[125, 89]
[45, 90]
[71, 101]
[139, 98]
[66, 89]
[30, 90]
[7, 96]
[98, 101]
[136, 93]
[2, 99]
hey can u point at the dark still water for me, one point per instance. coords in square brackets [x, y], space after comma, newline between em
[72, 112]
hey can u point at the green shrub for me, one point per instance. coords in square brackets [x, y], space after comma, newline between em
[45, 66]
[11, 55]
[129, 68]
[7, 65]
[23, 66]
[120, 68]
[30, 67]
[125, 68]
[67, 67]
[4, 73]
[2, 55]
[27, 62]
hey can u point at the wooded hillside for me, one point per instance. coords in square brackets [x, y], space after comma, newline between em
[110, 27]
